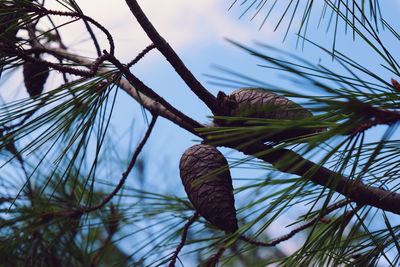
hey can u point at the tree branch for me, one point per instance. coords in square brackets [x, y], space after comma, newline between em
[288, 161]
[171, 114]
[42, 11]
[171, 56]
[140, 55]
[144, 89]
[283, 160]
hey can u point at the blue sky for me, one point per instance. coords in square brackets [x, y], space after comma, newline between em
[196, 29]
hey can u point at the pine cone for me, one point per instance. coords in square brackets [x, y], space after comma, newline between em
[207, 180]
[259, 103]
[35, 76]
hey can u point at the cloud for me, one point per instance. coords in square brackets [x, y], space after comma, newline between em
[183, 23]
[187, 22]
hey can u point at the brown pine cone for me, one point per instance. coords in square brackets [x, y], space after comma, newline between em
[262, 104]
[258, 103]
[207, 180]
[35, 76]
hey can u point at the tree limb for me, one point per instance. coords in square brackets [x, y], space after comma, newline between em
[171, 56]
[148, 103]
[288, 161]
[283, 160]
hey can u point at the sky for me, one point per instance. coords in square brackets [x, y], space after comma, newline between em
[196, 30]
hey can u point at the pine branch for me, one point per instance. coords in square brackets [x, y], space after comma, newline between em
[144, 89]
[281, 159]
[141, 55]
[42, 11]
[288, 161]
[150, 104]
[357, 192]
[171, 56]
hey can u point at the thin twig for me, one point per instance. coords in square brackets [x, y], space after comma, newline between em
[92, 36]
[89, 30]
[140, 55]
[183, 239]
[14, 51]
[171, 56]
[42, 11]
[126, 173]
[297, 230]
[79, 212]
[214, 259]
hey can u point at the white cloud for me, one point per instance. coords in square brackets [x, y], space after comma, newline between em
[187, 22]
[183, 23]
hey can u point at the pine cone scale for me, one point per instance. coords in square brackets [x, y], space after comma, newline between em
[206, 178]
[261, 104]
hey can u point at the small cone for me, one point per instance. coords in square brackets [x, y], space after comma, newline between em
[35, 76]
[207, 180]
